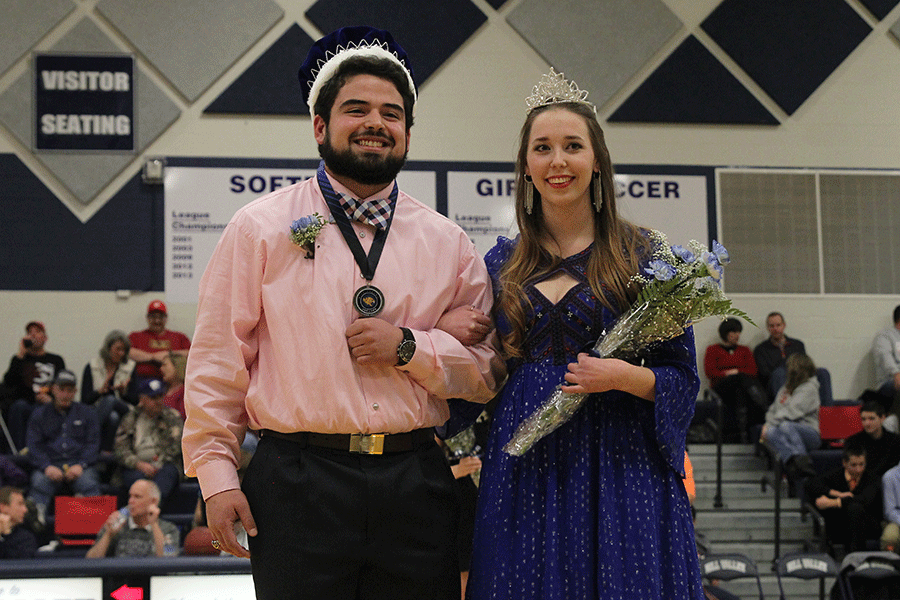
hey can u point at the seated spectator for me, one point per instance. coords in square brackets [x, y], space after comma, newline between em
[137, 530]
[886, 352]
[772, 353]
[11, 473]
[173, 371]
[109, 385]
[882, 446]
[890, 486]
[63, 443]
[849, 498]
[31, 371]
[150, 346]
[731, 370]
[148, 442]
[16, 539]
[792, 421]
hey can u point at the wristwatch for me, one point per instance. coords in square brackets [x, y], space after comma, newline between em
[407, 347]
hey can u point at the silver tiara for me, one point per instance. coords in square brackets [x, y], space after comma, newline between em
[553, 88]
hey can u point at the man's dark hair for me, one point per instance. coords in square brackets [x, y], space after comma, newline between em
[873, 406]
[365, 65]
[897, 314]
[6, 493]
[851, 450]
[727, 326]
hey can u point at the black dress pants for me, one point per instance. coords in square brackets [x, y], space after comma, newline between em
[335, 525]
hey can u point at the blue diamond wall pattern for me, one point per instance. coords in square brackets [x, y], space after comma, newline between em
[879, 8]
[788, 47]
[691, 86]
[270, 85]
[430, 32]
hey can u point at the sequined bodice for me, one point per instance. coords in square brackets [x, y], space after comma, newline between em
[560, 331]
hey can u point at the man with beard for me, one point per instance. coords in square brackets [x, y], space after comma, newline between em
[322, 334]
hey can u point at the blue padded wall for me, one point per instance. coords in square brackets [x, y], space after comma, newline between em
[276, 73]
[691, 86]
[789, 47]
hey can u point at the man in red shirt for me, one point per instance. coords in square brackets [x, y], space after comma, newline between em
[150, 346]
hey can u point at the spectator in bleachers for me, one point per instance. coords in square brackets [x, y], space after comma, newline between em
[137, 530]
[890, 486]
[148, 442]
[150, 346]
[849, 498]
[28, 379]
[792, 421]
[173, 371]
[108, 383]
[772, 353]
[886, 352]
[882, 446]
[63, 443]
[16, 539]
[731, 370]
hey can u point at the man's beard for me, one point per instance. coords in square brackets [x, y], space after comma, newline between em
[365, 169]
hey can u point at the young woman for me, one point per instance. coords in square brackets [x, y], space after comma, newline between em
[792, 422]
[597, 509]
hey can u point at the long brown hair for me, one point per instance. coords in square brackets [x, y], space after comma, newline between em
[617, 248]
[799, 367]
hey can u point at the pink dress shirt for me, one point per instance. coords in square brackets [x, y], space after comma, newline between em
[270, 351]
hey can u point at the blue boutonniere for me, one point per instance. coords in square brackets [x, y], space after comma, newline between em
[305, 230]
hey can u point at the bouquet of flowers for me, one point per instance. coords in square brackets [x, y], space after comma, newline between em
[679, 286]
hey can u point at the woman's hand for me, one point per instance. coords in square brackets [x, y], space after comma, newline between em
[591, 375]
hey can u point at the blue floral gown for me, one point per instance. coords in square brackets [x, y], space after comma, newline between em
[597, 509]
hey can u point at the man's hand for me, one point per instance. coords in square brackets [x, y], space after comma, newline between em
[897, 381]
[114, 523]
[466, 466]
[5, 524]
[74, 472]
[225, 509]
[373, 341]
[146, 468]
[152, 514]
[467, 324]
[53, 473]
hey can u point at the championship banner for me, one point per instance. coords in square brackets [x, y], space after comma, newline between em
[84, 102]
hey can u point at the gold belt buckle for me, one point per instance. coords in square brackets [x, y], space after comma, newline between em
[367, 443]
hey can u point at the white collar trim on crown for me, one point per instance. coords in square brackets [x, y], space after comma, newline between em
[328, 67]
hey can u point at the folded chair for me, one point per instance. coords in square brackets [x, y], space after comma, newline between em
[728, 567]
[806, 565]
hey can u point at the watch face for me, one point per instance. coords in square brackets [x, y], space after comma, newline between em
[406, 350]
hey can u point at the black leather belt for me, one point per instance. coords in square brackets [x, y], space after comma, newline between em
[359, 443]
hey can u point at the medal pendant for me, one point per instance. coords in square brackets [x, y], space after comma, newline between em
[368, 301]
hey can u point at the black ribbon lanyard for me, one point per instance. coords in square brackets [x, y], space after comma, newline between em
[367, 263]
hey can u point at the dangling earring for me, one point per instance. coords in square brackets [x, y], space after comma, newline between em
[529, 194]
[598, 192]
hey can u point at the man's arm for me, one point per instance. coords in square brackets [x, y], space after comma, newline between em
[883, 354]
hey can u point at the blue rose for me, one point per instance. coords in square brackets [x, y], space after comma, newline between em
[661, 270]
[721, 253]
[713, 268]
[684, 254]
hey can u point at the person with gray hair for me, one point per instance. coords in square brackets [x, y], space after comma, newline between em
[108, 383]
[136, 530]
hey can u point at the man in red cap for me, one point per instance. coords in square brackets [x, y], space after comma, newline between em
[27, 381]
[151, 346]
